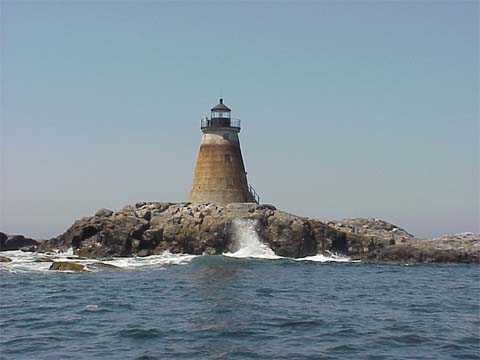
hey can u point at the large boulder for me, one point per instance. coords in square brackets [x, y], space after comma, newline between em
[5, 259]
[101, 236]
[66, 266]
[17, 242]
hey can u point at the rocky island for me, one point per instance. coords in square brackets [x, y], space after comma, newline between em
[150, 228]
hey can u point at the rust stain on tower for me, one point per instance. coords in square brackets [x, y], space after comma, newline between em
[220, 175]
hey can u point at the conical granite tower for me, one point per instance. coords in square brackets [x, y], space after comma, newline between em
[220, 175]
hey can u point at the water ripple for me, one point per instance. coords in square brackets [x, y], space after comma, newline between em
[221, 308]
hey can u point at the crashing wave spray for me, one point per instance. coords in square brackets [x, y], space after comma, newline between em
[248, 241]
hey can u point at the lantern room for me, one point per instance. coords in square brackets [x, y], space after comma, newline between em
[220, 111]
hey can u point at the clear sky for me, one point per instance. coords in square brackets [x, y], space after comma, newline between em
[348, 108]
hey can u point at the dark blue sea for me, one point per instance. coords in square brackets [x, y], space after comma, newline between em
[219, 307]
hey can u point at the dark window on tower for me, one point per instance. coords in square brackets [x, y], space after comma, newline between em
[229, 180]
[228, 158]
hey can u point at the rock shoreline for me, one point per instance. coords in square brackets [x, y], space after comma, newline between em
[150, 228]
[18, 242]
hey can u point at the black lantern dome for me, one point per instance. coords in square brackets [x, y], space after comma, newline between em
[220, 117]
[220, 111]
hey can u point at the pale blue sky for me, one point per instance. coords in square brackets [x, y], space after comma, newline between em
[349, 108]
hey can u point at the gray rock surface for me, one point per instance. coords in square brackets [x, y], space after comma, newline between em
[378, 240]
[66, 266]
[364, 236]
[149, 228]
[17, 242]
[467, 236]
[445, 250]
[152, 228]
[379, 229]
[104, 212]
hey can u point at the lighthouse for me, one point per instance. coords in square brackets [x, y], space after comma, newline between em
[220, 175]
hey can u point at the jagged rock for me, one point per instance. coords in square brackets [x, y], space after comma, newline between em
[143, 253]
[443, 250]
[17, 242]
[378, 240]
[100, 236]
[3, 239]
[104, 212]
[461, 237]
[150, 228]
[5, 259]
[66, 266]
[85, 254]
[104, 265]
[376, 228]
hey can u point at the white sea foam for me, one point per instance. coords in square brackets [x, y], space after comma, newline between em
[166, 258]
[248, 242]
[29, 261]
[22, 261]
[69, 252]
[327, 258]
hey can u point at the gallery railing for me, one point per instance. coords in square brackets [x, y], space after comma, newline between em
[253, 194]
[220, 122]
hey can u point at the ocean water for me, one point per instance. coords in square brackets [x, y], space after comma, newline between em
[249, 304]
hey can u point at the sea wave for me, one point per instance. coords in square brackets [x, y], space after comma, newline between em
[248, 242]
[249, 245]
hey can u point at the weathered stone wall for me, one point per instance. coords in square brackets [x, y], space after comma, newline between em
[220, 175]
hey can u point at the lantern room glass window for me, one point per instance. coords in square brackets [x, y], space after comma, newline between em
[220, 114]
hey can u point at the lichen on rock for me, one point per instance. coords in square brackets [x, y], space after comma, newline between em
[66, 266]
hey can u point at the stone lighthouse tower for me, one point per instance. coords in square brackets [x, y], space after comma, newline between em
[220, 175]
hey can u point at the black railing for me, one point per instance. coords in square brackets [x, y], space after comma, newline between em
[220, 122]
[253, 194]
